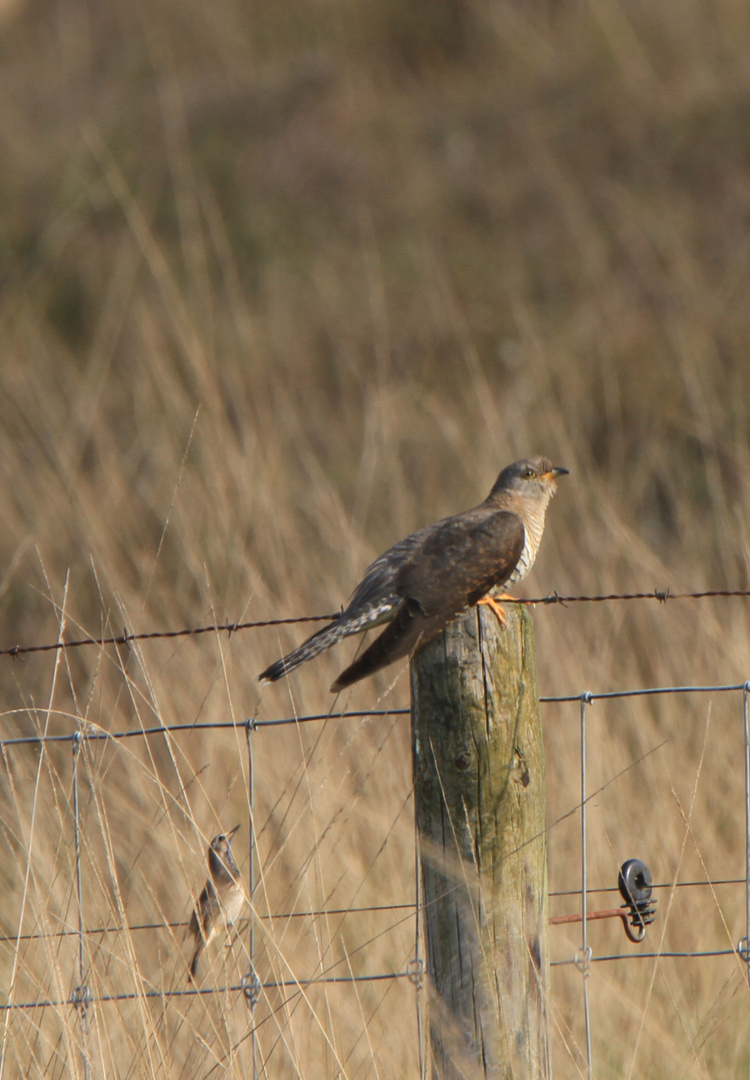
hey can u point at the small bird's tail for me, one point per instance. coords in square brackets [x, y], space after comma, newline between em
[200, 945]
[320, 641]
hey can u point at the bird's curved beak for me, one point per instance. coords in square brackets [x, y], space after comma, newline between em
[554, 472]
[231, 834]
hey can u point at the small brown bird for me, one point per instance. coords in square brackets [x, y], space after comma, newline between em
[222, 898]
[421, 583]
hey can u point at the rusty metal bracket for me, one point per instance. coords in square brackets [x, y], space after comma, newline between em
[634, 882]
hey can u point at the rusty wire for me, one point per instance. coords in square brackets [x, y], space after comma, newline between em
[127, 638]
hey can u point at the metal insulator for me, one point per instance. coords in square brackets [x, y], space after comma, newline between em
[635, 884]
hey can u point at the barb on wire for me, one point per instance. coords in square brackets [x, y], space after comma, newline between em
[126, 638]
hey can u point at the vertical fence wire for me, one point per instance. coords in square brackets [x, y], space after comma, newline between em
[744, 946]
[583, 959]
[251, 985]
[418, 961]
[81, 995]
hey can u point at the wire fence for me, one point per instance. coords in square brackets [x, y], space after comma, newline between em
[250, 987]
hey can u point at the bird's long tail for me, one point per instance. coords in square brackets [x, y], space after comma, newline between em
[320, 641]
[400, 637]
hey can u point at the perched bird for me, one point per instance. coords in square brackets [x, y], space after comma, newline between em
[422, 582]
[222, 898]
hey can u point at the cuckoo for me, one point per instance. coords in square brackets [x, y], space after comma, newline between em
[417, 586]
[222, 898]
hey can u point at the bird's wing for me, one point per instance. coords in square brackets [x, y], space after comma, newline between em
[455, 564]
[485, 540]
[460, 559]
[379, 581]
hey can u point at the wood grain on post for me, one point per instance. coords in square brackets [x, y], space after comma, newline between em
[480, 806]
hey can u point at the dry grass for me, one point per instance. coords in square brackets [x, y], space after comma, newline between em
[282, 282]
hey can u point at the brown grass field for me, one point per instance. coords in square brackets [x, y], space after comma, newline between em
[281, 282]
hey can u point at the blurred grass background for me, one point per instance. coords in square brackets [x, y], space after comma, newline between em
[279, 283]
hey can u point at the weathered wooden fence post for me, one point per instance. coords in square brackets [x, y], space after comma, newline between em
[480, 806]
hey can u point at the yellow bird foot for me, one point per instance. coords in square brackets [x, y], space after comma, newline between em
[492, 603]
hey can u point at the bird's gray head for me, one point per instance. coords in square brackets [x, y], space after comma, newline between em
[220, 859]
[533, 477]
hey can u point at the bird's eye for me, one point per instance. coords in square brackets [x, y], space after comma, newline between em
[528, 474]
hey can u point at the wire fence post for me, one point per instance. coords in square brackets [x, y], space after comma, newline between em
[81, 995]
[584, 954]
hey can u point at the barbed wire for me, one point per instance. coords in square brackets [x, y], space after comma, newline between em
[127, 638]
